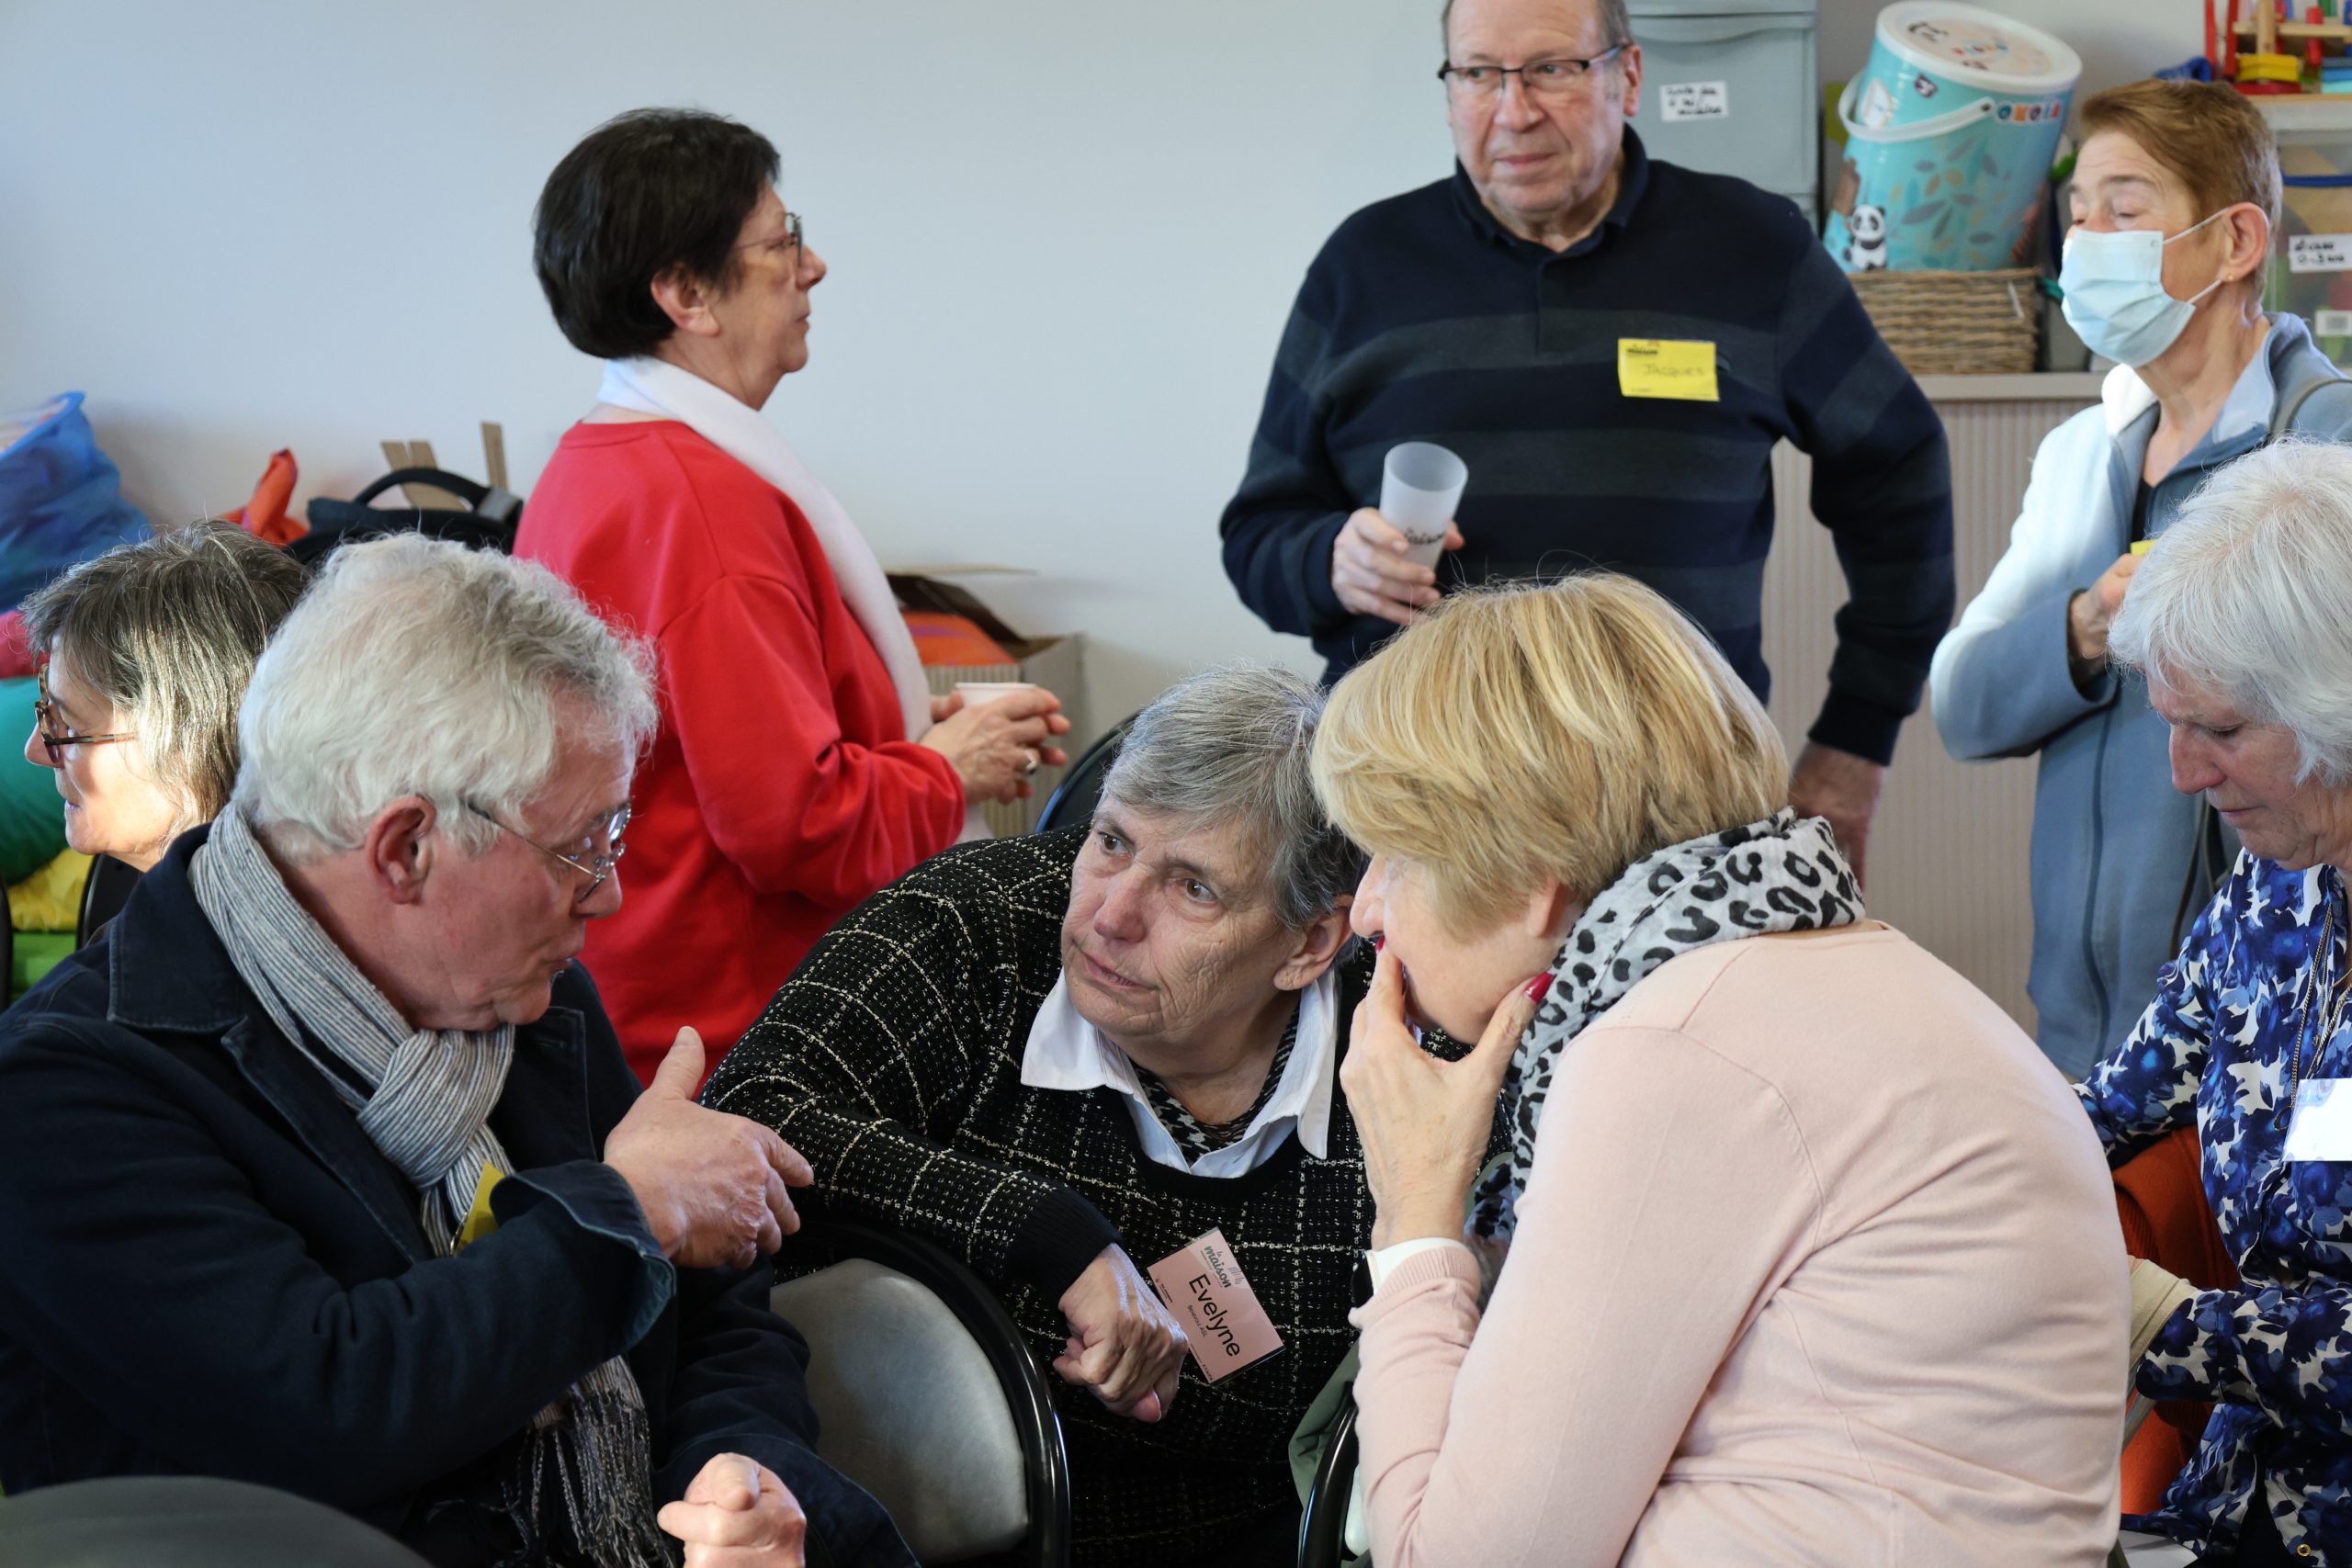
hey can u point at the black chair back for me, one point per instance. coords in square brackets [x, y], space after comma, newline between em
[1073, 802]
[1323, 1527]
[103, 892]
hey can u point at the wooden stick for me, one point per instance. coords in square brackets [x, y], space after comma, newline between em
[493, 453]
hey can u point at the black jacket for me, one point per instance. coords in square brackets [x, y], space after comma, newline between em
[207, 1267]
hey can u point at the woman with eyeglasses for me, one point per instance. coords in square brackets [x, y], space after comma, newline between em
[801, 762]
[144, 653]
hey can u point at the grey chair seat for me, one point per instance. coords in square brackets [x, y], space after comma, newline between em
[936, 1409]
[186, 1521]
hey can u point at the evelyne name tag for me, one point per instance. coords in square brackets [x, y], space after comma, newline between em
[1203, 1286]
[2323, 1125]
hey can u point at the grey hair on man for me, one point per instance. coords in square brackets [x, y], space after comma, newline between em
[168, 629]
[1230, 745]
[2248, 595]
[416, 667]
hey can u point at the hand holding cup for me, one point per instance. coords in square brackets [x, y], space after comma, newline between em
[999, 739]
[1383, 562]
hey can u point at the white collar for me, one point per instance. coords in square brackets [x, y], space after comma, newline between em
[1066, 1051]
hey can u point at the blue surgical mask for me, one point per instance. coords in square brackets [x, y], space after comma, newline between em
[2115, 298]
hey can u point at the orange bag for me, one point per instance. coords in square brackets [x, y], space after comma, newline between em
[265, 516]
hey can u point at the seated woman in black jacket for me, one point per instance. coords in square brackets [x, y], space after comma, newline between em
[1071, 1057]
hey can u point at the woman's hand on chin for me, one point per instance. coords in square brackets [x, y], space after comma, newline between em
[1424, 1121]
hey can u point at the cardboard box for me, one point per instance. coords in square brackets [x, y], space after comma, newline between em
[1053, 663]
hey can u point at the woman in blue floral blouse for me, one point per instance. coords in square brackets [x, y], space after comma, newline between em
[2240, 620]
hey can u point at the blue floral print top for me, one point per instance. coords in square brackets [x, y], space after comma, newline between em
[2220, 1043]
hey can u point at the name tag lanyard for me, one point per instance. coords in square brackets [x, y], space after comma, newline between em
[2336, 1001]
[2319, 1124]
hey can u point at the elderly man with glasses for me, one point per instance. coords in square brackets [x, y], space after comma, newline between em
[1614, 345]
[326, 1171]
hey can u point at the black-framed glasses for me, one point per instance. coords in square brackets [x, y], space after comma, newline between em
[586, 857]
[52, 740]
[1557, 77]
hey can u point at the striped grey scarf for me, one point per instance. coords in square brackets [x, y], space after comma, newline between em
[424, 1097]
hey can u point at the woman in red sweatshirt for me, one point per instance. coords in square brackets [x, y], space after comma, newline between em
[801, 762]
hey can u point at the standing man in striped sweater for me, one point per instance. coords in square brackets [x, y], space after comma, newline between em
[1511, 313]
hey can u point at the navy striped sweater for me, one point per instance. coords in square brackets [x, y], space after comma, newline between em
[1424, 320]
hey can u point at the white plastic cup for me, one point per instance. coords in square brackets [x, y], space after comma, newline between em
[977, 692]
[1421, 485]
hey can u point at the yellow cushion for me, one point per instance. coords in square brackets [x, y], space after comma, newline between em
[50, 899]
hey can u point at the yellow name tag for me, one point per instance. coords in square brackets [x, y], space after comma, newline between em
[1667, 367]
[480, 1221]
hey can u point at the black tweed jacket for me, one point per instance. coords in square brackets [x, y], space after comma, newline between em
[892, 1059]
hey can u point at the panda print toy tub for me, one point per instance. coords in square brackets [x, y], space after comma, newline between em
[1949, 133]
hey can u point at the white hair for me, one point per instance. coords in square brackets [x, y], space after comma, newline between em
[2248, 595]
[417, 667]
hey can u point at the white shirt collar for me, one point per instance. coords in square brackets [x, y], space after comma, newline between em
[1067, 1053]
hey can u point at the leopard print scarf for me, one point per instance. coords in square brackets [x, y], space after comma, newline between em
[1781, 874]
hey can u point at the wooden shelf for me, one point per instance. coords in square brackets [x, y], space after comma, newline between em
[2302, 32]
[2054, 386]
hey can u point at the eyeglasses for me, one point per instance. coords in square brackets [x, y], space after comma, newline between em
[45, 724]
[585, 857]
[794, 236]
[1561, 77]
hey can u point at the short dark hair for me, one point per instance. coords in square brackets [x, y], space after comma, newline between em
[643, 193]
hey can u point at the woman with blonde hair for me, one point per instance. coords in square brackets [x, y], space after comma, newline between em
[143, 655]
[1804, 1255]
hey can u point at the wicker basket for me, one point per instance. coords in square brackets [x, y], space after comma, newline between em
[1956, 323]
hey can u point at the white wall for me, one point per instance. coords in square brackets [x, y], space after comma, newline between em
[1063, 236]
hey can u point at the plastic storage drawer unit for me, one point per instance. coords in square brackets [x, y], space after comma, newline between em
[1727, 87]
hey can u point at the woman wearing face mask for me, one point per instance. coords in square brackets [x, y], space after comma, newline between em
[2174, 199]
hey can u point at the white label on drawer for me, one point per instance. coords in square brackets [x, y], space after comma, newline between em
[2318, 253]
[2332, 323]
[1703, 100]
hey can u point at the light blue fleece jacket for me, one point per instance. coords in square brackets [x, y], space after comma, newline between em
[2113, 844]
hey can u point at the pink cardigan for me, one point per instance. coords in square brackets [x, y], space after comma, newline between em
[1818, 1264]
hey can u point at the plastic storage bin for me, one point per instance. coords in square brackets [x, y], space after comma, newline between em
[1950, 131]
[2310, 249]
[1727, 87]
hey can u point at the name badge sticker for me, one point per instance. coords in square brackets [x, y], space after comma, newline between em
[1201, 1284]
[2323, 1125]
[1667, 367]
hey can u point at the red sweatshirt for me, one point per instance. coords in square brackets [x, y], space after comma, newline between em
[782, 788]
